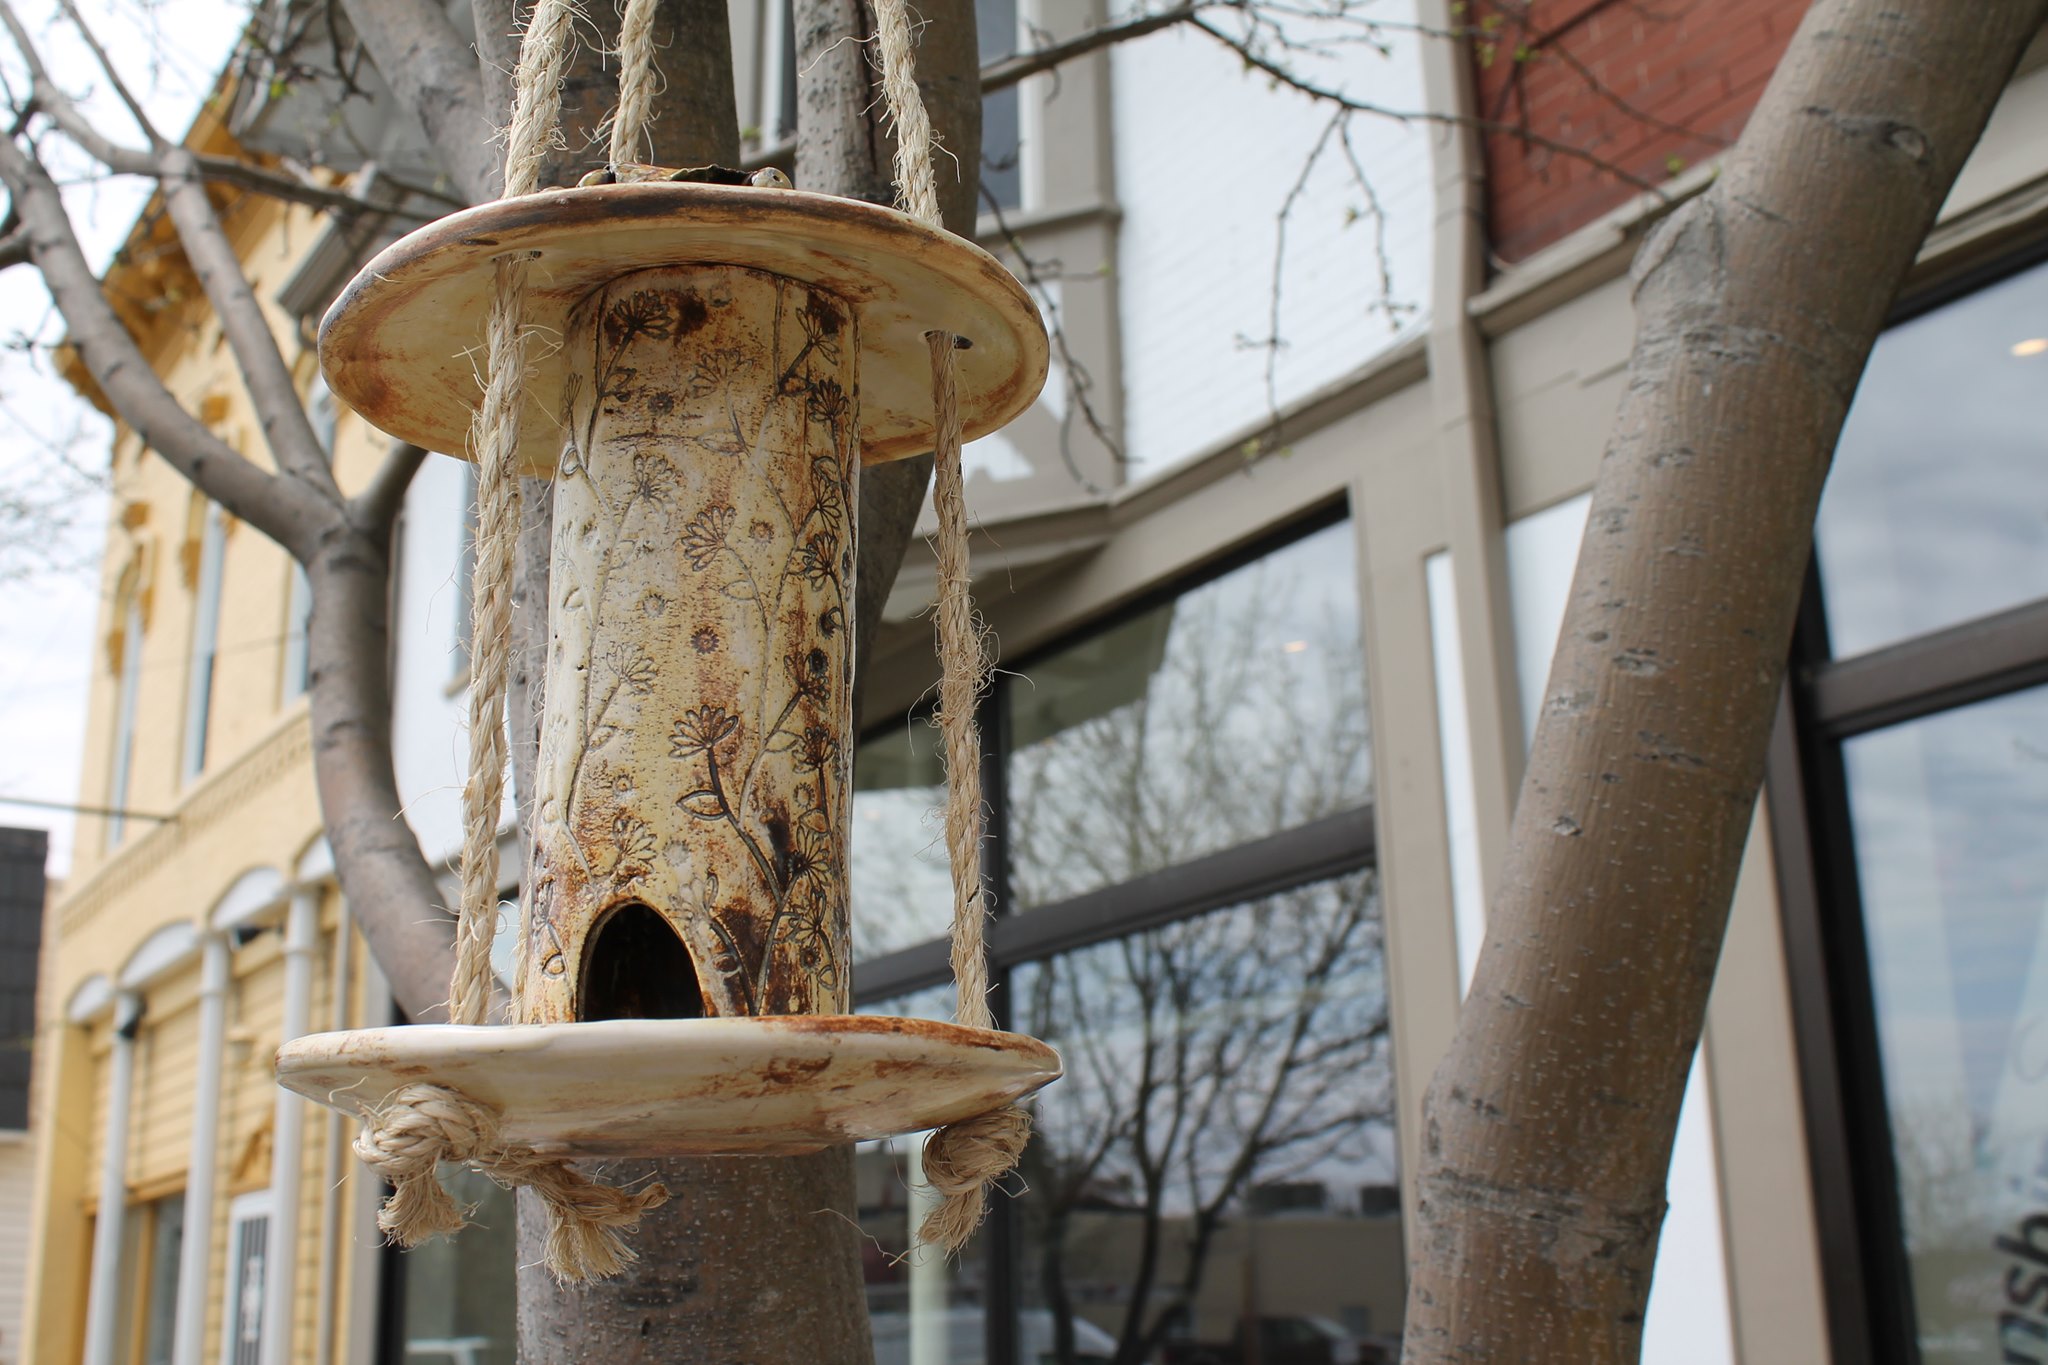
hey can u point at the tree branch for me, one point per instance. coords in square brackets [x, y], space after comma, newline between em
[111, 356]
[121, 90]
[377, 505]
[433, 72]
[1005, 72]
[286, 428]
[1259, 61]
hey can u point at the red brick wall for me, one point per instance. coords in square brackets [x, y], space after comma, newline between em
[1645, 86]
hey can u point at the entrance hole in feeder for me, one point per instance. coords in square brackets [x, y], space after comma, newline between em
[636, 967]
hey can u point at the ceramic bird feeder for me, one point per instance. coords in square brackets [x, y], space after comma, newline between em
[724, 359]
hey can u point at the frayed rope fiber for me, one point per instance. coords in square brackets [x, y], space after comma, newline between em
[421, 1125]
[962, 1160]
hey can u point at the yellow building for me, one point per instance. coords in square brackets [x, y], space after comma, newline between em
[202, 926]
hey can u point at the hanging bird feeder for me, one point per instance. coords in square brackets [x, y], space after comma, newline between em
[702, 369]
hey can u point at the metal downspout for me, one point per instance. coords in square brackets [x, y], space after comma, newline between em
[103, 1294]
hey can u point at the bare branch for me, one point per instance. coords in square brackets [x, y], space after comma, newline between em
[286, 428]
[1259, 61]
[124, 374]
[376, 507]
[121, 90]
[1005, 72]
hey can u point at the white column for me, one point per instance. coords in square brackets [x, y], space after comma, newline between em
[103, 1292]
[196, 1250]
[287, 1151]
[930, 1336]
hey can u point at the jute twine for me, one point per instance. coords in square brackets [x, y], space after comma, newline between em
[961, 1160]
[419, 1126]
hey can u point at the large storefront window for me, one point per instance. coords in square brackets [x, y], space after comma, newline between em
[1937, 510]
[1922, 781]
[1948, 815]
[1220, 1158]
[1181, 846]
[1233, 711]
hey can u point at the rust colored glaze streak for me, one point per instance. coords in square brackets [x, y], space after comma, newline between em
[693, 758]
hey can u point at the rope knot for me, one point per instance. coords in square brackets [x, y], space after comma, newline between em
[421, 1125]
[961, 1161]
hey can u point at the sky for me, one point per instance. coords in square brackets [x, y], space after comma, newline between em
[168, 51]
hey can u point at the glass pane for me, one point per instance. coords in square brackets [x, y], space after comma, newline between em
[924, 1309]
[1947, 815]
[160, 1308]
[459, 1291]
[1937, 509]
[1002, 176]
[1220, 1159]
[901, 890]
[1232, 712]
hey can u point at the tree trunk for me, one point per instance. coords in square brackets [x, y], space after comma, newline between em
[1548, 1127]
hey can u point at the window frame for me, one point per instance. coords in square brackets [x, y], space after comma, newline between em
[1866, 1273]
[243, 1211]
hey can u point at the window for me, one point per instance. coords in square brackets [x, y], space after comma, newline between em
[1909, 788]
[205, 640]
[769, 121]
[130, 665]
[453, 1297]
[1937, 509]
[1181, 844]
[324, 414]
[164, 1236]
[248, 1249]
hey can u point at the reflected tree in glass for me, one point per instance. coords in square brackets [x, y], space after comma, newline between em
[1209, 1063]
[1233, 712]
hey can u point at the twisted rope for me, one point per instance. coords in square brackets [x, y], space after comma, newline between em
[639, 82]
[961, 1160]
[419, 1126]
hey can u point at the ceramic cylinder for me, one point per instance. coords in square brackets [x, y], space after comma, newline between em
[694, 756]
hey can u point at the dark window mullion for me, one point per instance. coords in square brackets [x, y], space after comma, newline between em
[1000, 1234]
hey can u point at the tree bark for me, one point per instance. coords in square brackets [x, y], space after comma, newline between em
[1548, 1127]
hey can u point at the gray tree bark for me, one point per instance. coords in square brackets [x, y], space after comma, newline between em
[1548, 1127]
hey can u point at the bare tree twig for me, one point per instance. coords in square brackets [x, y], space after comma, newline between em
[1005, 72]
[121, 90]
[111, 356]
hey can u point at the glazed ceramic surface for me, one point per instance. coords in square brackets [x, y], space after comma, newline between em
[646, 1087]
[402, 345]
[699, 681]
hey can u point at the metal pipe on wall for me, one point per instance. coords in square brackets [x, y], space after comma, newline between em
[103, 1291]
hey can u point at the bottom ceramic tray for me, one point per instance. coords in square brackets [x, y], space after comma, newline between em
[674, 1087]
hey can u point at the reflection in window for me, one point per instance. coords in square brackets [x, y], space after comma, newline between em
[1232, 712]
[1002, 174]
[902, 890]
[1947, 815]
[923, 1308]
[1937, 509]
[1220, 1157]
[458, 1299]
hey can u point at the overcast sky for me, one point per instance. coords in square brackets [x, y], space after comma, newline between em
[168, 52]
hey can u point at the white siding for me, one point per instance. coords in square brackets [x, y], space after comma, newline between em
[1206, 154]
[17, 1181]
